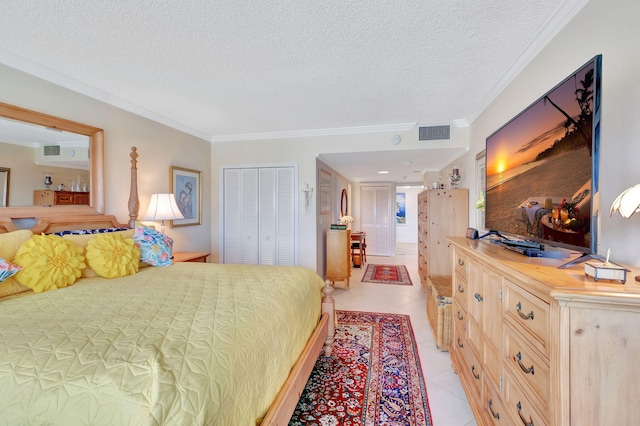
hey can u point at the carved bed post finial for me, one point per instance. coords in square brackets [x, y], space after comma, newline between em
[134, 202]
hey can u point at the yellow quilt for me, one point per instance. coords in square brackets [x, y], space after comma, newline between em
[187, 344]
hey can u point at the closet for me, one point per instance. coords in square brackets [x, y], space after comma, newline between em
[377, 217]
[259, 226]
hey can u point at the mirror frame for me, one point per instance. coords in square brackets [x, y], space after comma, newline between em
[96, 162]
[344, 203]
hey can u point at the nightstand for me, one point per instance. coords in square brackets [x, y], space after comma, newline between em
[190, 256]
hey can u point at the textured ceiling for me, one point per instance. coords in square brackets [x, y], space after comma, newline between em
[221, 69]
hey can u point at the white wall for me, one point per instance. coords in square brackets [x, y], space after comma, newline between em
[599, 28]
[159, 147]
[304, 151]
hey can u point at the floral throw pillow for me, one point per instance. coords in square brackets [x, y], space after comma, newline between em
[7, 269]
[112, 256]
[155, 247]
[49, 262]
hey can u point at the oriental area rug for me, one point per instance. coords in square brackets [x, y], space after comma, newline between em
[386, 274]
[373, 376]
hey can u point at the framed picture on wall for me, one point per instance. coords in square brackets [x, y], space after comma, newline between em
[325, 191]
[185, 186]
[401, 206]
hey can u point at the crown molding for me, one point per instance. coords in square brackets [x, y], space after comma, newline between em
[400, 127]
[565, 11]
[51, 76]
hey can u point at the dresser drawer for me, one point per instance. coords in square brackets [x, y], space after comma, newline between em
[528, 367]
[521, 410]
[474, 368]
[461, 290]
[460, 264]
[493, 409]
[528, 314]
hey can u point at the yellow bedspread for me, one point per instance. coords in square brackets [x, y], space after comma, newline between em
[187, 344]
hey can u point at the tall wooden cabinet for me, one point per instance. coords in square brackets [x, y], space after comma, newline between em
[338, 255]
[538, 345]
[441, 213]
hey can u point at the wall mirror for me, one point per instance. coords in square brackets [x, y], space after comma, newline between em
[344, 203]
[69, 153]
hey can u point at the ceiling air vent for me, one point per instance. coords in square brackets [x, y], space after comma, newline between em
[52, 150]
[434, 133]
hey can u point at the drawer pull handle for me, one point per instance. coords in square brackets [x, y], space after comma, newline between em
[523, 316]
[473, 371]
[518, 359]
[495, 415]
[524, 421]
[478, 297]
[460, 261]
[460, 289]
[460, 343]
[460, 316]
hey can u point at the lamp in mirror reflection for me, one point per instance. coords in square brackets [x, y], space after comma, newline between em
[48, 181]
[627, 203]
[162, 207]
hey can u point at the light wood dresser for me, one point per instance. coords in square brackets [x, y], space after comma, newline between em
[338, 255]
[537, 345]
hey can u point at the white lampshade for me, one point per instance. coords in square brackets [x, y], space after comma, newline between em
[163, 207]
[627, 203]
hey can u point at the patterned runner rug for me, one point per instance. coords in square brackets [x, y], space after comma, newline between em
[386, 274]
[373, 376]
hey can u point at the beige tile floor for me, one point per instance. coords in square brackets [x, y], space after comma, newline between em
[448, 403]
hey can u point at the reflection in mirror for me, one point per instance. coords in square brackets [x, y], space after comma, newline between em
[5, 180]
[44, 159]
[55, 162]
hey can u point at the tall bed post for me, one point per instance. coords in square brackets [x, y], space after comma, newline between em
[134, 202]
[329, 307]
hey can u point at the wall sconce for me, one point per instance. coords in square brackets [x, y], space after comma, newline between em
[308, 192]
[162, 207]
[627, 204]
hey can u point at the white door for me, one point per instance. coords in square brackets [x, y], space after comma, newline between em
[259, 216]
[376, 215]
[240, 209]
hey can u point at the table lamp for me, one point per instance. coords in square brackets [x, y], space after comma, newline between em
[162, 207]
[627, 204]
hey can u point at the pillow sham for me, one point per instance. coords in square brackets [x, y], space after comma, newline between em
[10, 242]
[112, 256]
[88, 231]
[49, 262]
[155, 247]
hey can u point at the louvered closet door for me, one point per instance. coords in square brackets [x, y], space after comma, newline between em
[240, 216]
[375, 218]
[259, 216]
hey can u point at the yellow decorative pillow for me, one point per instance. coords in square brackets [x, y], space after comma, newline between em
[10, 242]
[82, 240]
[112, 256]
[48, 262]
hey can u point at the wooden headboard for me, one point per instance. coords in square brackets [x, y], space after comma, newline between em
[55, 219]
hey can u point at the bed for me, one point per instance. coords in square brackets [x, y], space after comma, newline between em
[190, 343]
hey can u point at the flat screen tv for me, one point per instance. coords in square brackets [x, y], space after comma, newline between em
[542, 166]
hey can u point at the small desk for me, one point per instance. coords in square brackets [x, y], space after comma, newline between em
[190, 256]
[358, 248]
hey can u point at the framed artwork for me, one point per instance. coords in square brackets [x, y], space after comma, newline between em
[325, 191]
[185, 186]
[401, 205]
